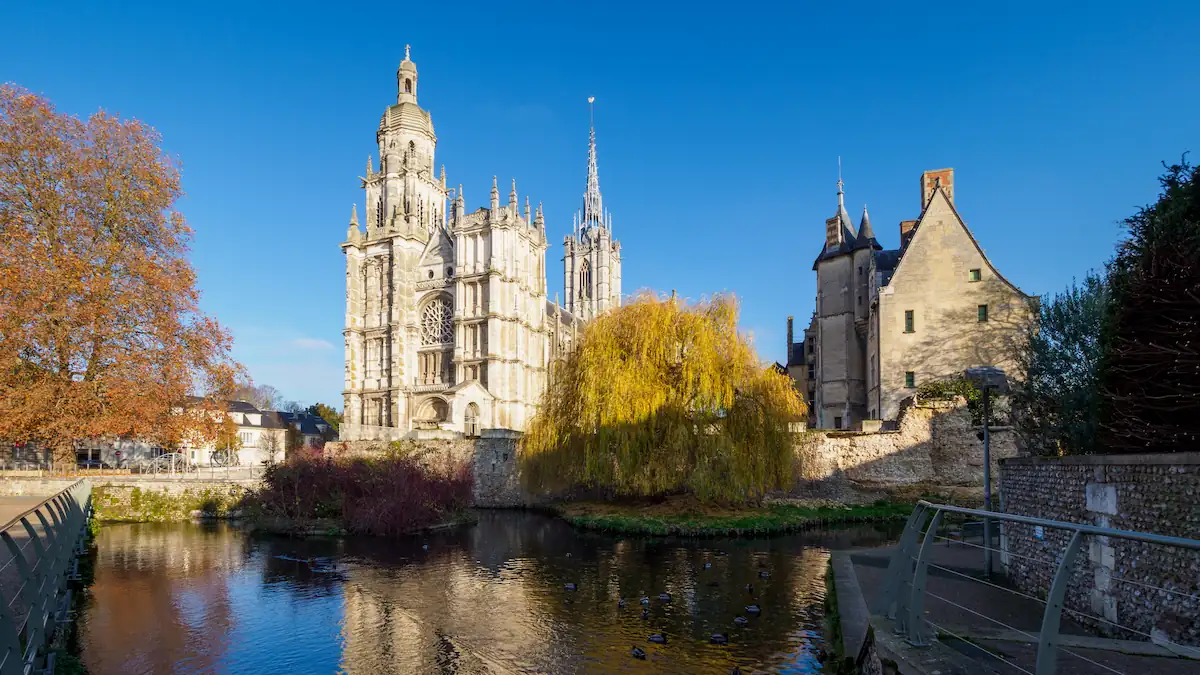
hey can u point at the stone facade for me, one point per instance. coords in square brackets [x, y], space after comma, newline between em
[448, 326]
[887, 321]
[1113, 578]
[934, 443]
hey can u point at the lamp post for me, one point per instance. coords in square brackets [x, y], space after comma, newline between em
[986, 379]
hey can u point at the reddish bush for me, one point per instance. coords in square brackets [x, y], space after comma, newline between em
[383, 496]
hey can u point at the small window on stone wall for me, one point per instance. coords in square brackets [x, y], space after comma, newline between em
[910, 379]
[976, 275]
[837, 423]
[983, 312]
[908, 321]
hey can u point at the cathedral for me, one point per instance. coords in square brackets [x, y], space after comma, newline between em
[449, 329]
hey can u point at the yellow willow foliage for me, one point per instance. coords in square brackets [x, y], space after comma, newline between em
[661, 396]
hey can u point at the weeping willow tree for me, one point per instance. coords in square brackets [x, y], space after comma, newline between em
[661, 397]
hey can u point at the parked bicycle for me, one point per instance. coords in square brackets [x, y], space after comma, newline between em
[225, 457]
[171, 462]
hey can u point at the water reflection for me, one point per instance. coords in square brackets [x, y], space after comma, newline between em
[491, 598]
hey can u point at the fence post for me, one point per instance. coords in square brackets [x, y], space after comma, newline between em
[901, 562]
[916, 603]
[1047, 654]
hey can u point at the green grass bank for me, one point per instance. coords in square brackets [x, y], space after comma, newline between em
[684, 516]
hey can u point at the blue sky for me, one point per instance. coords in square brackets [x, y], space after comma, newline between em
[719, 127]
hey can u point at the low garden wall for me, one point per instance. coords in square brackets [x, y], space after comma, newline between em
[1113, 578]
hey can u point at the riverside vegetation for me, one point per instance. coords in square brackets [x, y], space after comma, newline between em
[391, 495]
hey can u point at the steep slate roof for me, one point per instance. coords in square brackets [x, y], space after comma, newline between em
[886, 262]
[866, 236]
[847, 230]
[273, 419]
[242, 407]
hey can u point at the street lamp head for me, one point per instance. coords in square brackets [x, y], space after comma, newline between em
[988, 377]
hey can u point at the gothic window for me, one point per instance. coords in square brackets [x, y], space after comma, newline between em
[585, 279]
[437, 322]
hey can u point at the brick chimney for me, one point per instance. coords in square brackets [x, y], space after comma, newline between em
[906, 231]
[789, 348]
[929, 179]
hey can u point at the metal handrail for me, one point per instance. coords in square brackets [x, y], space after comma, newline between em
[46, 562]
[904, 586]
[1148, 537]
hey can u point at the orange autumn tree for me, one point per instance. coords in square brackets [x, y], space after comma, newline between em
[101, 333]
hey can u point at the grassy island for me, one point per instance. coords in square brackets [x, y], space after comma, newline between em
[686, 516]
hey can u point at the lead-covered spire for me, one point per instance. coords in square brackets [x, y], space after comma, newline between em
[593, 205]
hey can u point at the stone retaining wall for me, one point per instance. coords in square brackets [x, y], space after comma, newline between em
[149, 501]
[492, 457]
[33, 487]
[935, 442]
[1148, 493]
[145, 500]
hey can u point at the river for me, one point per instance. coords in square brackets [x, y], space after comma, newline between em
[192, 598]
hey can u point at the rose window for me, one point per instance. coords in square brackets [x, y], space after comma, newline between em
[437, 323]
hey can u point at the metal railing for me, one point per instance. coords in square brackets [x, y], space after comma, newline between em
[905, 587]
[44, 543]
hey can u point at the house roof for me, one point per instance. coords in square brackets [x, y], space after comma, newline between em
[273, 419]
[242, 407]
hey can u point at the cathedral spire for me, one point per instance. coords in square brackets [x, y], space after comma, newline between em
[495, 197]
[354, 215]
[370, 167]
[512, 197]
[593, 208]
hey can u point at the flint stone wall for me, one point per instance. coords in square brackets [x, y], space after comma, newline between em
[1112, 577]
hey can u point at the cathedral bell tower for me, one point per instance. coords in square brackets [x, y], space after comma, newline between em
[405, 226]
[591, 256]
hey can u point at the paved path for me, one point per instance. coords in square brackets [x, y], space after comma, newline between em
[11, 507]
[1017, 652]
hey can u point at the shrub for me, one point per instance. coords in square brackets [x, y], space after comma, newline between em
[381, 496]
[948, 389]
[662, 397]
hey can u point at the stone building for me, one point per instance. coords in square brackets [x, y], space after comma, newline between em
[448, 326]
[887, 321]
